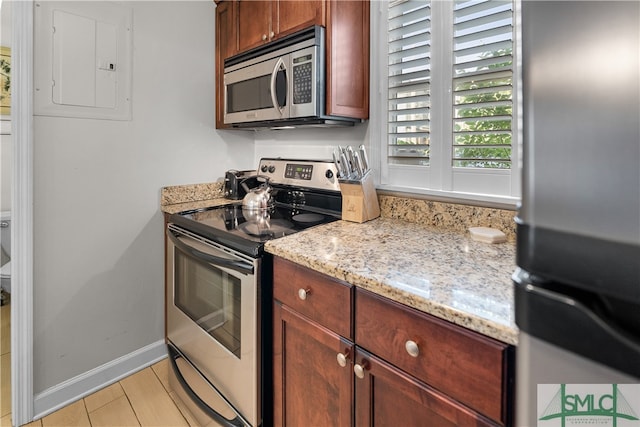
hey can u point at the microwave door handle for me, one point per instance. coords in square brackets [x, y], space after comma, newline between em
[239, 266]
[280, 66]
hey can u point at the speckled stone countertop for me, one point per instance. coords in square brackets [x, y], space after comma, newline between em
[180, 198]
[438, 271]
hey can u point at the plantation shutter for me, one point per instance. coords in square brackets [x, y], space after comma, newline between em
[482, 84]
[409, 75]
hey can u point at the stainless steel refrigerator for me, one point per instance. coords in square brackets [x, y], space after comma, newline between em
[577, 286]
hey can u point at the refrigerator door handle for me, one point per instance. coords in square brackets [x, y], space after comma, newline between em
[570, 322]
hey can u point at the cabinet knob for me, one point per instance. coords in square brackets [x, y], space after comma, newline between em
[264, 37]
[304, 293]
[412, 348]
[359, 369]
[271, 34]
[342, 358]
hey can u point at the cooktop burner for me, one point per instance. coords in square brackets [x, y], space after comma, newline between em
[266, 227]
[308, 218]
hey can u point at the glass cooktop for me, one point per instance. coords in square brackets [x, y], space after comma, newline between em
[247, 230]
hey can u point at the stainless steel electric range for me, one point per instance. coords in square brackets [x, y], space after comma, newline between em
[219, 291]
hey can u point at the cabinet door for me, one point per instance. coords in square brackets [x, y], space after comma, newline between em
[386, 396]
[348, 58]
[226, 46]
[295, 15]
[254, 23]
[310, 387]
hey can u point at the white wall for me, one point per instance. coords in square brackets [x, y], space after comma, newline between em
[5, 23]
[98, 256]
[308, 143]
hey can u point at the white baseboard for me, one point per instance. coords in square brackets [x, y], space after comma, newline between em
[91, 381]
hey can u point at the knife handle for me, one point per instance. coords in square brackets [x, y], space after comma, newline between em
[364, 158]
[347, 166]
[336, 162]
[358, 165]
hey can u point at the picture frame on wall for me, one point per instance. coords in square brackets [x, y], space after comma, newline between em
[5, 82]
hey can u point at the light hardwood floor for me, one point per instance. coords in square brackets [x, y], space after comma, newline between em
[5, 365]
[142, 399]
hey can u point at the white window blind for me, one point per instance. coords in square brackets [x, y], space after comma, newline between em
[450, 90]
[482, 83]
[409, 75]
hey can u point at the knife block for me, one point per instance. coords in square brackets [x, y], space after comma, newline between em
[359, 200]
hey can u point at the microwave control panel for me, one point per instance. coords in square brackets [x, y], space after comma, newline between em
[303, 79]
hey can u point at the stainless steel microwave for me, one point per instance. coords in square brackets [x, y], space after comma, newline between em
[279, 85]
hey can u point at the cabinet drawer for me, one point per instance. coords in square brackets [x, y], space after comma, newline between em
[315, 295]
[465, 365]
[386, 396]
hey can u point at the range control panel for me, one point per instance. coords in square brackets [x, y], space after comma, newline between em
[317, 174]
[298, 171]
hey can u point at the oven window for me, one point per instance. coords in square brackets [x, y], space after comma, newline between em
[211, 298]
[248, 95]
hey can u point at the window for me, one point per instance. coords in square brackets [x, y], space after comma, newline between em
[448, 72]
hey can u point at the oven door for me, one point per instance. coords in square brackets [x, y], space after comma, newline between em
[213, 316]
[258, 92]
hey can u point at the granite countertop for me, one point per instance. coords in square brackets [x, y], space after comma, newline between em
[439, 271]
[181, 198]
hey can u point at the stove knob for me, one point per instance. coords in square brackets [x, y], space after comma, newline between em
[329, 173]
[272, 169]
[264, 168]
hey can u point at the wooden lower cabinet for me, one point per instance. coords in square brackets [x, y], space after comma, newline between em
[464, 365]
[386, 396]
[340, 359]
[311, 388]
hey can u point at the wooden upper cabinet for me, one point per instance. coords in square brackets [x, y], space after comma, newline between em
[261, 22]
[348, 59]
[226, 46]
[242, 25]
[295, 15]
[254, 23]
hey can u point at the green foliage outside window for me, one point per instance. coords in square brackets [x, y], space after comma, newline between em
[483, 118]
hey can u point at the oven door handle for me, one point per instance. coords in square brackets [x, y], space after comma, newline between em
[174, 355]
[240, 266]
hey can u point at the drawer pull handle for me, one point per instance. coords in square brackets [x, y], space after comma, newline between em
[343, 358]
[412, 348]
[359, 369]
[304, 293]
[264, 37]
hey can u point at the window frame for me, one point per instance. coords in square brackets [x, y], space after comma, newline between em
[440, 179]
